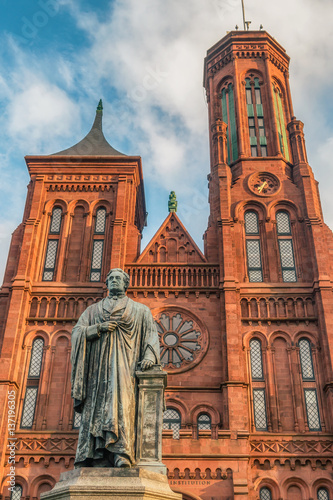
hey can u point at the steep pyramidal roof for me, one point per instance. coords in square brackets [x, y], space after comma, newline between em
[94, 143]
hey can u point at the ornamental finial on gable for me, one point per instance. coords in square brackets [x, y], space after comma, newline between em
[172, 203]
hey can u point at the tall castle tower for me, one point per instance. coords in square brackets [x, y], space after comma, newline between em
[245, 327]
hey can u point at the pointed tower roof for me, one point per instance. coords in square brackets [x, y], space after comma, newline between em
[94, 143]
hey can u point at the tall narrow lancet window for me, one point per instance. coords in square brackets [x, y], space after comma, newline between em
[255, 113]
[253, 250]
[52, 244]
[286, 249]
[98, 245]
[282, 131]
[310, 390]
[34, 372]
[229, 117]
[257, 376]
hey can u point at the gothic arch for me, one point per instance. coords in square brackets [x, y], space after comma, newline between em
[288, 205]
[78, 203]
[224, 81]
[101, 203]
[306, 335]
[296, 481]
[282, 335]
[241, 207]
[56, 336]
[255, 334]
[205, 408]
[180, 406]
[39, 481]
[50, 204]
[270, 483]
[252, 71]
[322, 482]
[30, 336]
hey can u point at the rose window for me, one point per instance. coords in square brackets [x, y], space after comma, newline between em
[182, 340]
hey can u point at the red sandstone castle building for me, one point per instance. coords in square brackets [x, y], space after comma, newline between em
[245, 327]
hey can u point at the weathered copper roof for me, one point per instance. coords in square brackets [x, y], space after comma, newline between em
[94, 143]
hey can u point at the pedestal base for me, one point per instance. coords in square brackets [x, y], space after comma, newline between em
[111, 484]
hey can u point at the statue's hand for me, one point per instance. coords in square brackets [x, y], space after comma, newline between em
[146, 364]
[107, 326]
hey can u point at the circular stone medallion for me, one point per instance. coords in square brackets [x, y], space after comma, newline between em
[183, 340]
[264, 184]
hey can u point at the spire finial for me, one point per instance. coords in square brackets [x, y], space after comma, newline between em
[100, 106]
[172, 203]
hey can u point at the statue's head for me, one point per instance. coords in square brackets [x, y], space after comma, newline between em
[117, 280]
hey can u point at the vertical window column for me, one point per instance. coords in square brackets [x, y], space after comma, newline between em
[309, 385]
[229, 117]
[253, 251]
[255, 113]
[52, 244]
[98, 245]
[282, 131]
[286, 249]
[258, 386]
[30, 399]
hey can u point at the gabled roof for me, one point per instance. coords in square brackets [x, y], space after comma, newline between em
[172, 244]
[94, 143]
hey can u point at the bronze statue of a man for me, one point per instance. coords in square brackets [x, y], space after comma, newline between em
[109, 341]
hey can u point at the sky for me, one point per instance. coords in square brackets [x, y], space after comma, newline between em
[144, 58]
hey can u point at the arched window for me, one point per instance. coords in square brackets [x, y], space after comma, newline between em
[258, 392]
[229, 117]
[16, 493]
[282, 131]
[310, 393]
[265, 494]
[285, 242]
[30, 399]
[322, 494]
[172, 420]
[256, 360]
[98, 245]
[255, 113]
[52, 244]
[204, 422]
[253, 251]
[100, 221]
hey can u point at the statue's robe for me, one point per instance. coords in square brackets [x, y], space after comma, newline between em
[104, 385]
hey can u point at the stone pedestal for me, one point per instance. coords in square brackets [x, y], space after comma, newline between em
[111, 484]
[150, 419]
